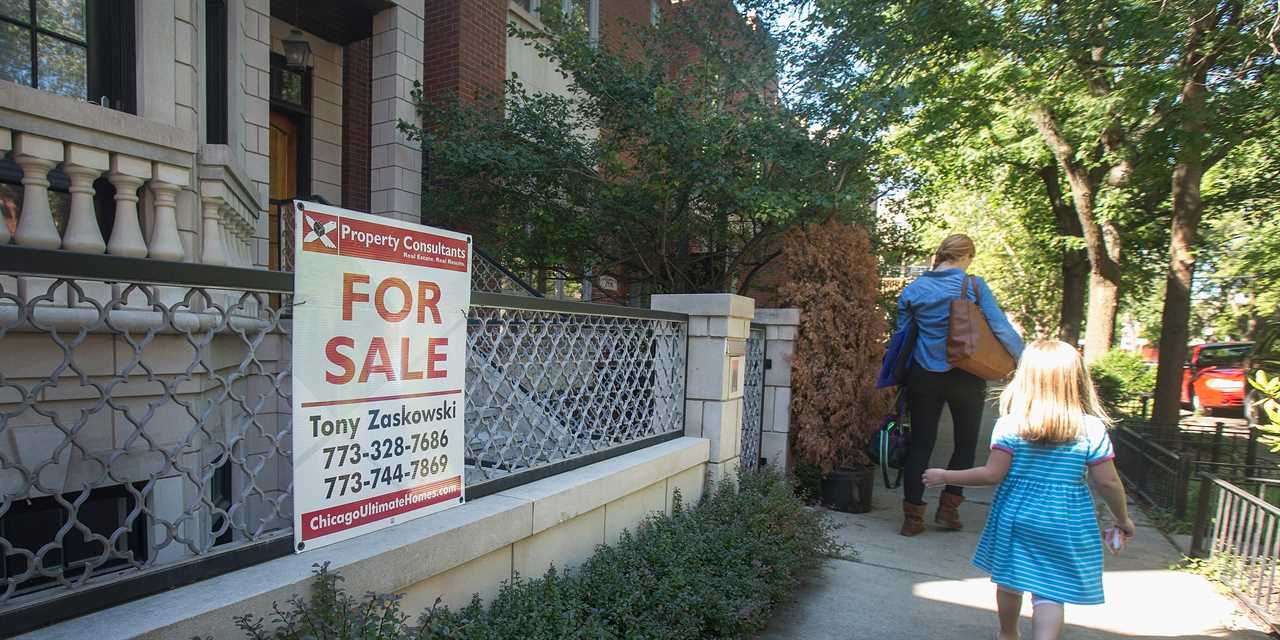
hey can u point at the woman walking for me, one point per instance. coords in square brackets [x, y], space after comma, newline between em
[1042, 534]
[932, 382]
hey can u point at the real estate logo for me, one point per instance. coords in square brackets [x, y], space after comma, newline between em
[319, 232]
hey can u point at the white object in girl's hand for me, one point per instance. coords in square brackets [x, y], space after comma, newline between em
[1114, 539]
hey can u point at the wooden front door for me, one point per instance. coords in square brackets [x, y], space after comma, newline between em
[284, 184]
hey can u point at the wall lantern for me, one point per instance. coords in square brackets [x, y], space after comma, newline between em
[297, 51]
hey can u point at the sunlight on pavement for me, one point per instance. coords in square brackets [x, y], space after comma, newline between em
[1141, 604]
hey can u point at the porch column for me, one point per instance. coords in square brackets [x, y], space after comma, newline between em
[780, 346]
[395, 167]
[719, 324]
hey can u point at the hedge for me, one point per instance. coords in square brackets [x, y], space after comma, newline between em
[712, 571]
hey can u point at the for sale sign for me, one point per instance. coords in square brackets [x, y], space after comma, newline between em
[379, 357]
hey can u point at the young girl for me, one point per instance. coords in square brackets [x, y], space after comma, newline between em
[1042, 533]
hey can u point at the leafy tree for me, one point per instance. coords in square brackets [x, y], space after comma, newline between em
[1125, 94]
[671, 164]
[1046, 65]
[1220, 69]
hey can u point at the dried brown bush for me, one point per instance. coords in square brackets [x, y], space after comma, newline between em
[832, 277]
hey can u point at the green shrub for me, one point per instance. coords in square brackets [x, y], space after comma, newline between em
[713, 571]
[1122, 377]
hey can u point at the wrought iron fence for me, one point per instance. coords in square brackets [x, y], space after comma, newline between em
[753, 399]
[1155, 473]
[1243, 549]
[547, 382]
[1163, 464]
[145, 416]
[489, 276]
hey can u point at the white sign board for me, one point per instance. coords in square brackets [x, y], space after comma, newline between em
[379, 360]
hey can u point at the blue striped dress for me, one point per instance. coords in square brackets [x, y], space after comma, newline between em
[1042, 534]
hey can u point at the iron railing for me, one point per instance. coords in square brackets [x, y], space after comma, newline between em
[753, 398]
[1211, 441]
[1155, 473]
[1164, 465]
[1240, 537]
[488, 275]
[145, 416]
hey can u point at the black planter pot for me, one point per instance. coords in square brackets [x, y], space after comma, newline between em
[848, 490]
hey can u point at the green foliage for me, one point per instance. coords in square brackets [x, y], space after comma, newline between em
[1269, 389]
[1239, 261]
[670, 163]
[1122, 377]
[965, 103]
[713, 571]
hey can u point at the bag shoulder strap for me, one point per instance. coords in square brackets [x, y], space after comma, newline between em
[964, 288]
[890, 484]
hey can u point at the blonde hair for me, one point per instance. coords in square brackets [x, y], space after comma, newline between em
[956, 246]
[1051, 394]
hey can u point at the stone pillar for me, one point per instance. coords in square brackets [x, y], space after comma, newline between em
[168, 182]
[781, 326]
[395, 167]
[127, 175]
[212, 250]
[83, 165]
[36, 156]
[719, 324]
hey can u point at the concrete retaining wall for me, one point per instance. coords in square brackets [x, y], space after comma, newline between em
[452, 554]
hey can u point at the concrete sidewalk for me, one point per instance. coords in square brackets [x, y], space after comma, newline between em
[925, 587]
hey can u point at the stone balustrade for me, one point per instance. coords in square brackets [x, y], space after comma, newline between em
[150, 193]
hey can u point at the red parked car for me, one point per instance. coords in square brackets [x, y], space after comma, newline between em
[1213, 377]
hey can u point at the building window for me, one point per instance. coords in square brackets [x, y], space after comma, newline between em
[30, 524]
[528, 5]
[70, 47]
[215, 71]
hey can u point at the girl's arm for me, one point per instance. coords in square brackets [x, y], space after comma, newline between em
[1106, 483]
[991, 474]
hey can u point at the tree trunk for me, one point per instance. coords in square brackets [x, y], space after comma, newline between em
[1075, 278]
[1104, 268]
[1075, 262]
[1187, 209]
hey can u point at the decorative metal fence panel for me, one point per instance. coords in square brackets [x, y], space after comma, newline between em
[753, 399]
[145, 414]
[1244, 550]
[544, 386]
[140, 425]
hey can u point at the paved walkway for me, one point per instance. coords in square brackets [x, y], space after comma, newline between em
[924, 587]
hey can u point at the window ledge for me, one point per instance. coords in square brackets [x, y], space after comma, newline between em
[24, 109]
[392, 559]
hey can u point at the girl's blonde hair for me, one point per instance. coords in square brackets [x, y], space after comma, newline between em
[1050, 394]
[956, 246]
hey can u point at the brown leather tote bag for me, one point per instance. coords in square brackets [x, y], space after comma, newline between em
[971, 345]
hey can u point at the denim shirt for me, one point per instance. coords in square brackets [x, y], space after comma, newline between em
[928, 300]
